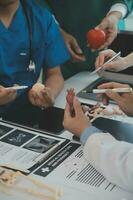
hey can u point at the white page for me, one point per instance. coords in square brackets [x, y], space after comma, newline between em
[77, 174]
[21, 148]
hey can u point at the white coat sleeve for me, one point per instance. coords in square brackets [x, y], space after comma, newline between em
[113, 158]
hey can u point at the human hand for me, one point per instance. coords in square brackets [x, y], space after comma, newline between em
[79, 122]
[124, 100]
[73, 47]
[7, 95]
[117, 65]
[109, 26]
[41, 96]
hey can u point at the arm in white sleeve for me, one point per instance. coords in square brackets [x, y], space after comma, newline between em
[120, 7]
[113, 158]
[87, 133]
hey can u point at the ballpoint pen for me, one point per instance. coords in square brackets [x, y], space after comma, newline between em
[102, 67]
[119, 90]
[18, 87]
[100, 91]
[41, 156]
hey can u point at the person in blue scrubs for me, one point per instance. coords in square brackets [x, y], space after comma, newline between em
[29, 41]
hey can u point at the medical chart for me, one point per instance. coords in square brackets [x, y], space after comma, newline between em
[21, 148]
[76, 173]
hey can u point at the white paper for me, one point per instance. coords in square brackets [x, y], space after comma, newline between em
[21, 149]
[77, 174]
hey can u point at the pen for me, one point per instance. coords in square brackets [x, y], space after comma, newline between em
[110, 60]
[48, 153]
[18, 87]
[119, 90]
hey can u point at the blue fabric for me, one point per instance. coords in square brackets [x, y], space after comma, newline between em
[87, 133]
[49, 49]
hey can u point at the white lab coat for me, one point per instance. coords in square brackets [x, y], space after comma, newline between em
[113, 158]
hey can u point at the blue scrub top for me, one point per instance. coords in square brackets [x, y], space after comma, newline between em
[48, 46]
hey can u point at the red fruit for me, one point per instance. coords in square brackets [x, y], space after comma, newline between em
[96, 38]
[70, 96]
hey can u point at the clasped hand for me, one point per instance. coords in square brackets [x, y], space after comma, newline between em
[7, 95]
[41, 96]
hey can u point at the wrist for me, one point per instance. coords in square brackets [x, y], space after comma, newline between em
[84, 128]
[128, 60]
[64, 33]
[115, 15]
[51, 93]
[79, 130]
[90, 130]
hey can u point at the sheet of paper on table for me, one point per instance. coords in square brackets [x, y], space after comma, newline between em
[65, 168]
[75, 174]
[21, 148]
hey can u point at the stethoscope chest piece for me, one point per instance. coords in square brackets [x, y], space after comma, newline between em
[31, 67]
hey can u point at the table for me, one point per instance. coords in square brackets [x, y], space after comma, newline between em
[78, 82]
[74, 191]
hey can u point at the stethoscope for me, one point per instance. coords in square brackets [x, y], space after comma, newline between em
[31, 66]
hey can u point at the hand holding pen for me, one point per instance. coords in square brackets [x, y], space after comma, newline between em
[117, 65]
[118, 90]
[104, 65]
[7, 95]
[123, 99]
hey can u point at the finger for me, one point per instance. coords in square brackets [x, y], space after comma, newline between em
[47, 100]
[67, 112]
[93, 50]
[111, 85]
[103, 55]
[67, 116]
[110, 36]
[116, 65]
[109, 40]
[42, 95]
[74, 55]
[105, 45]
[1, 88]
[112, 66]
[80, 58]
[33, 98]
[38, 102]
[75, 46]
[102, 47]
[114, 96]
[12, 96]
[105, 99]
[103, 25]
[9, 90]
[77, 107]
[100, 60]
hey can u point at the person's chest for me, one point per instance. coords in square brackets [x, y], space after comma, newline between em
[15, 49]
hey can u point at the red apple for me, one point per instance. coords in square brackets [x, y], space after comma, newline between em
[96, 38]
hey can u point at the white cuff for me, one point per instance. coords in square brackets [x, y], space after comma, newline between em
[120, 7]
